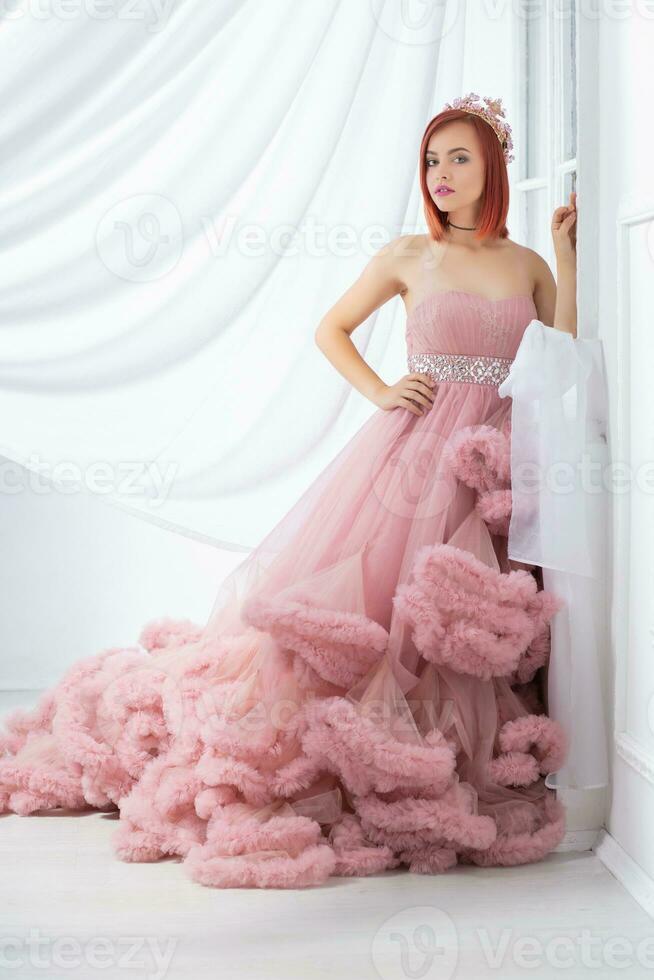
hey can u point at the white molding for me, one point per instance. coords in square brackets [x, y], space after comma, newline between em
[518, 186]
[636, 755]
[588, 174]
[552, 114]
[630, 874]
[630, 213]
[555, 166]
[530, 184]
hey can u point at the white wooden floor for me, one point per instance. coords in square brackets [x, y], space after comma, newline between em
[70, 908]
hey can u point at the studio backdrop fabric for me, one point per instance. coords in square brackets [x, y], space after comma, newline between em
[187, 188]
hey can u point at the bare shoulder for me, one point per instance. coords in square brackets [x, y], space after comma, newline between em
[400, 255]
[388, 271]
[382, 278]
[539, 270]
[403, 255]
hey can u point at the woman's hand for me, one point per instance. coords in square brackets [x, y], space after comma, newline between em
[564, 231]
[411, 391]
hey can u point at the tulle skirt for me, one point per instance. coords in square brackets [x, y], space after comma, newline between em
[366, 693]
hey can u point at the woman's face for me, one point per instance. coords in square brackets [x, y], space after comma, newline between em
[454, 159]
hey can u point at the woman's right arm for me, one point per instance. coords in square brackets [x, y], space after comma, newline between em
[379, 281]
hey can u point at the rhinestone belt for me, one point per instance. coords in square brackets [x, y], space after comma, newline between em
[475, 368]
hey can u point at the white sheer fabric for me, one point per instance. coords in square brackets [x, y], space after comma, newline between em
[559, 455]
[186, 189]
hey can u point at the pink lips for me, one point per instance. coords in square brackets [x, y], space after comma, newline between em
[443, 190]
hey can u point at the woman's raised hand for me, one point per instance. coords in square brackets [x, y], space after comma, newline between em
[564, 230]
[412, 391]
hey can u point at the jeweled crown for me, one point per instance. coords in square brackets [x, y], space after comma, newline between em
[492, 112]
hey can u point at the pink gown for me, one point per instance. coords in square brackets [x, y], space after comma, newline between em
[367, 691]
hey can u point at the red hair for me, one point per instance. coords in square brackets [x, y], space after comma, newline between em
[495, 198]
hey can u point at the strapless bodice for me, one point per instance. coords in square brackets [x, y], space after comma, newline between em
[458, 322]
[459, 336]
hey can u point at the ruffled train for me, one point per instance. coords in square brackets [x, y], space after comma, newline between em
[295, 742]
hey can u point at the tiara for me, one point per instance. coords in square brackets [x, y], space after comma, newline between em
[492, 113]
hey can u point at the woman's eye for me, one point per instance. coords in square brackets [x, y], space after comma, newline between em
[464, 159]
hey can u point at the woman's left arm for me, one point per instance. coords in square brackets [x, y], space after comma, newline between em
[556, 299]
[564, 234]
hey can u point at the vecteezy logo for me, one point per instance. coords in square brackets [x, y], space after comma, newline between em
[416, 942]
[140, 238]
[416, 21]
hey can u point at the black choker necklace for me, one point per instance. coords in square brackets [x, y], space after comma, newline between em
[462, 227]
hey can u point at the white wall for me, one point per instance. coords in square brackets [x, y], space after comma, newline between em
[625, 207]
[79, 575]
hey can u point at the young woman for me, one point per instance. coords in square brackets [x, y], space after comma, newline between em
[365, 693]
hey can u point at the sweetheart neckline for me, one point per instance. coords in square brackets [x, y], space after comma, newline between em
[466, 292]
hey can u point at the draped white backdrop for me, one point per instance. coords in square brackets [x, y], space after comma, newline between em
[186, 188]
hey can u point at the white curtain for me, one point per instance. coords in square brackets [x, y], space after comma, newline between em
[559, 459]
[186, 188]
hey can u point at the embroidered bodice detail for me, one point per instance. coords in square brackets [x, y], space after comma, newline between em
[463, 336]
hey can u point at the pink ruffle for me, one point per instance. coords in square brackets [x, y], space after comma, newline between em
[355, 853]
[166, 632]
[539, 734]
[273, 848]
[468, 616]
[494, 507]
[542, 829]
[367, 756]
[187, 740]
[60, 756]
[480, 456]
[414, 821]
[339, 647]
[535, 656]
